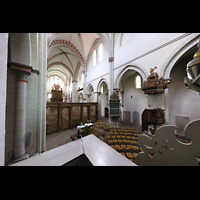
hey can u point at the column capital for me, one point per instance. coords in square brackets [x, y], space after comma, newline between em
[111, 59]
[116, 89]
[23, 71]
[22, 68]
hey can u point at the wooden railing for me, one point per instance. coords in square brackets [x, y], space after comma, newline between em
[60, 116]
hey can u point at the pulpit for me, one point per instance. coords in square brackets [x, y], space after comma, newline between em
[154, 87]
[152, 116]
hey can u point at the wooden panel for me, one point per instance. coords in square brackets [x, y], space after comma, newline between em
[62, 116]
[76, 115]
[155, 117]
[84, 114]
[51, 119]
[93, 113]
[65, 118]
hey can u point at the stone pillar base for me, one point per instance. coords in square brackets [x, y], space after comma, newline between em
[20, 158]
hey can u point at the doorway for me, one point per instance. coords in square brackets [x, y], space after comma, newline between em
[106, 112]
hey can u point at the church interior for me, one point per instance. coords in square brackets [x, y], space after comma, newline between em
[90, 99]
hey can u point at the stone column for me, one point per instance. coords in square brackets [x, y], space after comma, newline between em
[20, 126]
[74, 91]
[111, 62]
[23, 71]
[84, 85]
[111, 73]
[98, 104]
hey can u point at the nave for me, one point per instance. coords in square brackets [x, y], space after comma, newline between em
[56, 82]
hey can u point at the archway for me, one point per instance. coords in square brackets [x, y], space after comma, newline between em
[90, 93]
[170, 64]
[103, 107]
[140, 69]
[133, 99]
[183, 104]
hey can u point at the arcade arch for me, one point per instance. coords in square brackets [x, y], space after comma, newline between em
[103, 98]
[133, 99]
[182, 104]
[90, 93]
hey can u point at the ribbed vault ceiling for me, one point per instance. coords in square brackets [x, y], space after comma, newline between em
[68, 53]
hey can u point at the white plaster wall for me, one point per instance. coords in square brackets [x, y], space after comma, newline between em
[182, 101]
[138, 102]
[3, 84]
[142, 51]
[98, 71]
[147, 50]
[143, 43]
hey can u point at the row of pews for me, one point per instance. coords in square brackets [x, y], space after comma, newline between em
[123, 139]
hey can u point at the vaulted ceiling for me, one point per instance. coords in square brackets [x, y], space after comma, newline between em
[68, 53]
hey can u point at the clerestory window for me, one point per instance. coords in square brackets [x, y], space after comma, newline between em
[97, 54]
[138, 81]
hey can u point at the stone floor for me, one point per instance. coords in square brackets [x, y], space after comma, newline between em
[57, 139]
[54, 140]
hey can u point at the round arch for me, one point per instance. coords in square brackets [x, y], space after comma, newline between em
[103, 98]
[141, 71]
[172, 68]
[52, 72]
[60, 63]
[175, 56]
[58, 75]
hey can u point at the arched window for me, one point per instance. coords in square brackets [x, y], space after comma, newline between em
[52, 81]
[97, 54]
[138, 81]
[56, 80]
[94, 57]
[100, 52]
[102, 89]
